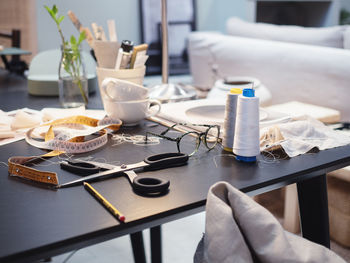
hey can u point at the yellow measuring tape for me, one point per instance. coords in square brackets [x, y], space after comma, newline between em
[66, 135]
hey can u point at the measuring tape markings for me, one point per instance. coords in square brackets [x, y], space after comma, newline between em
[62, 142]
[71, 143]
[16, 168]
[65, 141]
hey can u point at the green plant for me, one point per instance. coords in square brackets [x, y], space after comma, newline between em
[72, 57]
[344, 18]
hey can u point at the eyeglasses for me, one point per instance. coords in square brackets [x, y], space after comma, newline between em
[192, 139]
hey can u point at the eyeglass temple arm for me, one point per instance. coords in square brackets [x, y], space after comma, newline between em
[168, 129]
[161, 136]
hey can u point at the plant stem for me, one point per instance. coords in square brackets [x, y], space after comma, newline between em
[76, 75]
[82, 92]
[62, 37]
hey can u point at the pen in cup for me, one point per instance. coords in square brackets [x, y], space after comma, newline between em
[104, 202]
[138, 55]
[123, 62]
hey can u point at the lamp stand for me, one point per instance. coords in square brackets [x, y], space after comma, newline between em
[168, 92]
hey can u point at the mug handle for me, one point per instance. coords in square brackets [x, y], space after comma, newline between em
[153, 112]
[104, 85]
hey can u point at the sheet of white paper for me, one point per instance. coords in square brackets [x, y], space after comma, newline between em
[9, 123]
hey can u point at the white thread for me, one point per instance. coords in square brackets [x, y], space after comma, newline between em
[48, 162]
[221, 155]
[139, 140]
[3, 163]
[45, 164]
[229, 121]
[246, 138]
[99, 160]
[65, 156]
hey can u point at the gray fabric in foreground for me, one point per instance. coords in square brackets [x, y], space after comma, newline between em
[240, 230]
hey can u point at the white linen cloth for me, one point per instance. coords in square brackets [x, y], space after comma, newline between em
[300, 136]
[240, 230]
[12, 123]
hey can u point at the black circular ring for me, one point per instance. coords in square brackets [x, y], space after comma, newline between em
[150, 185]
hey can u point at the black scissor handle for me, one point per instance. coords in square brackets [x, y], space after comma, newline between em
[165, 160]
[150, 185]
[79, 168]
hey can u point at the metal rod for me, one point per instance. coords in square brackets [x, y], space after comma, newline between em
[165, 62]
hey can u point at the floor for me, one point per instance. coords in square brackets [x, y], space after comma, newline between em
[180, 239]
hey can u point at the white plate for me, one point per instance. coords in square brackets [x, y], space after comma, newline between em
[214, 114]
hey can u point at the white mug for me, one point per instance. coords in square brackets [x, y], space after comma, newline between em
[133, 111]
[135, 75]
[122, 90]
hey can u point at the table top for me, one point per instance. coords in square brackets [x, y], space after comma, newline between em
[37, 222]
[14, 51]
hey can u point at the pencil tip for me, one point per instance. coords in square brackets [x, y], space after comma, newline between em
[122, 218]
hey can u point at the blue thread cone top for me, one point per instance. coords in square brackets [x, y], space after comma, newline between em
[248, 92]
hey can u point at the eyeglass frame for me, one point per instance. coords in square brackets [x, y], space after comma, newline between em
[199, 136]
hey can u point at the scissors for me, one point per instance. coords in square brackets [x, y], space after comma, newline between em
[143, 185]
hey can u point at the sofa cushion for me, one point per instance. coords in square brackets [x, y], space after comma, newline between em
[323, 36]
[310, 74]
[347, 38]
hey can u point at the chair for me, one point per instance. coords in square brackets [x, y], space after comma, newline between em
[43, 73]
[309, 65]
[15, 64]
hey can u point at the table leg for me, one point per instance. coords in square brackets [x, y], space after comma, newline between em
[313, 206]
[156, 244]
[138, 247]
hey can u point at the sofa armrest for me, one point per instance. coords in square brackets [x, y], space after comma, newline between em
[305, 73]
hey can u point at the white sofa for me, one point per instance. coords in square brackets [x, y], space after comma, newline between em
[315, 69]
[310, 65]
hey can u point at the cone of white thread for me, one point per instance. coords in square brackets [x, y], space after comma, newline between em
[246, 138]
[230, 119]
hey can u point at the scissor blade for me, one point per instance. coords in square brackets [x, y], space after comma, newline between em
[104, 174]
[101, 165]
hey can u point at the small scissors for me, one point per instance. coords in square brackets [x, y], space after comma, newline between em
[143, 185]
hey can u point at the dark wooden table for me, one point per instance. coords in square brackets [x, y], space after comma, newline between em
[37, 223]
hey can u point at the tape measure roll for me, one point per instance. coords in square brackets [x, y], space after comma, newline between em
[66, 135]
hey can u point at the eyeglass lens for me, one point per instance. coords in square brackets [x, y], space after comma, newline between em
[211, 138]
[189, 143]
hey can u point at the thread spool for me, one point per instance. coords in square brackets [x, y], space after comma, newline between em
[230, 118]
[246, 138]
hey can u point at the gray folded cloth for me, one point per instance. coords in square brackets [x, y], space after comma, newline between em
[238, 229]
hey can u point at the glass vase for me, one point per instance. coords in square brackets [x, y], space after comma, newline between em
[72, 80]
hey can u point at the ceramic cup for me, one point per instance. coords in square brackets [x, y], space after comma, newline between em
[133, 111]
[133, 75]
[122, 90]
